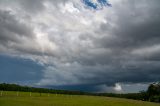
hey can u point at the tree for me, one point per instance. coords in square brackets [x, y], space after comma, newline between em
[154, 89]
[154, 92]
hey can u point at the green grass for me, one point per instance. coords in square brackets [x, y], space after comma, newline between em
[24, 99]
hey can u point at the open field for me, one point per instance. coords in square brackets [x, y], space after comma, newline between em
[44, 99]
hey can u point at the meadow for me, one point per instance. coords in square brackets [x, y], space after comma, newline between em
[44, 99]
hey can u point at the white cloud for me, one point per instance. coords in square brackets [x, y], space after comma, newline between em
[118, 87]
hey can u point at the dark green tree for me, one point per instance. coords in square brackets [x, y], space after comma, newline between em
[154, 92]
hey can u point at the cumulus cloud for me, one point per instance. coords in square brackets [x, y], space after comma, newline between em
[77, 45]
[118, 87]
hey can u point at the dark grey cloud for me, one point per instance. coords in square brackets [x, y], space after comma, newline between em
[32, 6]
[80, 46]
[12, 30]
[112, 59]
[134, 24]
[15, 70]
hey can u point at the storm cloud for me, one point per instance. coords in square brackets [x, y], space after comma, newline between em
[81, 46]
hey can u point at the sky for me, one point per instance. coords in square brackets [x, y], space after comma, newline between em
[86, 45]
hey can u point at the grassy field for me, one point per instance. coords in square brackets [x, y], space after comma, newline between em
[37, 99]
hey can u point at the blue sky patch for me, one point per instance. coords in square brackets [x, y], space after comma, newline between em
[96, 4]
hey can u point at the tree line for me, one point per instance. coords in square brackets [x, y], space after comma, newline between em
[152, 94]
[15, 87]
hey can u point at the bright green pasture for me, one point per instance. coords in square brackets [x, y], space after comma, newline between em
[35, 99]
